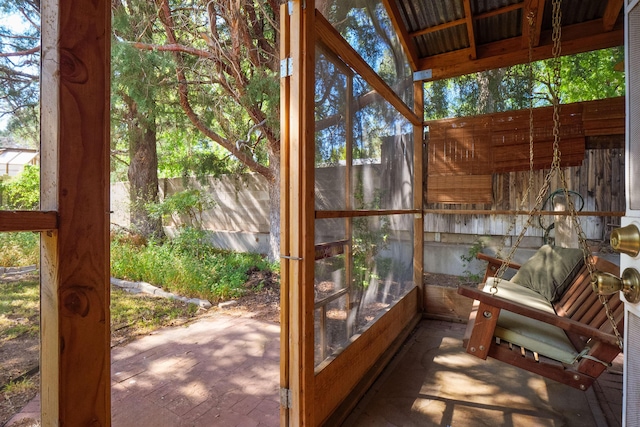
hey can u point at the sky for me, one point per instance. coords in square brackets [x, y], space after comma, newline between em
[16, 23]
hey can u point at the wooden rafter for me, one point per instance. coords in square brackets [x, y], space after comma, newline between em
[470, 31]
[499, 11]
[465, 20]
[436, 28]
[403, 35]
[510, 52]
[328, 35]
[611, 14]
[533, 11]
[579, 37]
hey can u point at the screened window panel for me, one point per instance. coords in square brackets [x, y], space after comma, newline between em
[366, 26]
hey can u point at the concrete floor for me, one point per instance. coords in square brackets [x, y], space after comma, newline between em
[433, 382]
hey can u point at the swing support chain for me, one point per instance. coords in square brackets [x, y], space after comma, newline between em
[555, 168]
[531, 18]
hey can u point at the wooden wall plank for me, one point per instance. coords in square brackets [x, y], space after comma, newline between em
[508, 188]
[28, 220]
[335, 380]
[75, 336]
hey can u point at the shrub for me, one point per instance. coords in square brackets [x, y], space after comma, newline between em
[188, 203]
[186, 265]
[22, 191]
[19, 249]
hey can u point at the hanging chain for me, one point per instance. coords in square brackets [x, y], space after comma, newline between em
[525, 197]
[531, 19]
[555, 168]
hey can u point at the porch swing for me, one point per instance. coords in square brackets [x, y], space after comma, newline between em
[552, 317]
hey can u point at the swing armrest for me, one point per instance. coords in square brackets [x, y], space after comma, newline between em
[493, 260]
[494, 264]
[564, 323]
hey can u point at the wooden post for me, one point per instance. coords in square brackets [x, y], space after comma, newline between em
[348, 188]
[285, 202]
[298, 265]
[418, 194]
[75, 337]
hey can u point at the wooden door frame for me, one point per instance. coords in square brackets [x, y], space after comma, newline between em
[297, 213]
[74, 216]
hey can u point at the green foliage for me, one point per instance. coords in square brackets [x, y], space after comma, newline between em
[369, 238]
[188, 203]
[19, 249]
[186, 265]
[467, 259]
[591, 75]
[17, 387]
[584, 77]
[23, 191]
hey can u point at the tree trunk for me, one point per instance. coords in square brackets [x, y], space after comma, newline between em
[274, 210]
[143, 172]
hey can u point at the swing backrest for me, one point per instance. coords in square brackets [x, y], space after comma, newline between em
[580, 303]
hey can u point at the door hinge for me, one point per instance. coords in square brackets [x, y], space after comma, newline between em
[286, 67]
[285, 398]
[290, 6]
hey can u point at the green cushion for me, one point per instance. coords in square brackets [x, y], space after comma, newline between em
[550, 271]
[534, 335]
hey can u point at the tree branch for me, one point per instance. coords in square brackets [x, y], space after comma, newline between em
[183, 91]
[21, 53]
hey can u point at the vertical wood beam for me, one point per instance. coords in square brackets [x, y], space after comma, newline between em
[348, 188]
[405, 39]
[470, 31]
[533, 11]
[531, 19]
[418, 194]
[611, 14]
[285, 207]
[301, 214]
[75, 337]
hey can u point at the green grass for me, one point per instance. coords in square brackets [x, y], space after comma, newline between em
[19, 249]
[19, 310]
[144, 313]
[19, 387]
[186, 265]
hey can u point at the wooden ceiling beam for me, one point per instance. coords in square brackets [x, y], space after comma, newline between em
[436, 28]
[405, 39]
[577, 38]
[532, 22]
[328, 35]
[611, 14]
[464, 21]
[471, 36]
[499, 11]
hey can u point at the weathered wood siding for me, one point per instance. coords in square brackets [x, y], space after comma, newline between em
[600, 181]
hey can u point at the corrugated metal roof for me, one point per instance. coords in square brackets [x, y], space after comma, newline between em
[498, 27]
[438, 27]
